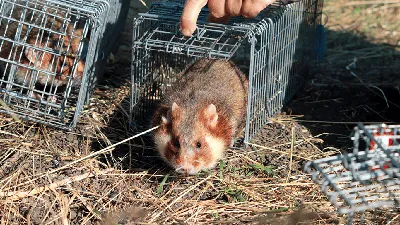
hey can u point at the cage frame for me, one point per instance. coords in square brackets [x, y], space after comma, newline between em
[252, 31]
[373, 173]
[97, 16]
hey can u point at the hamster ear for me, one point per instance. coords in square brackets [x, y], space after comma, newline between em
[211, 115]
[174, 109]
[164, 119]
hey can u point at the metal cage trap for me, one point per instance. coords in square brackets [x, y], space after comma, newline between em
[51, 53]
[275, 50]
[367, 178]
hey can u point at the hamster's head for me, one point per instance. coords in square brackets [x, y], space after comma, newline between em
[191, 142]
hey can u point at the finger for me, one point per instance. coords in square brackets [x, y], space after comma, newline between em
[232, 7]
[190, 13]
[223, 19]
[269, 2]
[217, 8]
[251, 8]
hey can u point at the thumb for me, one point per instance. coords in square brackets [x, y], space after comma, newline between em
[190, 13]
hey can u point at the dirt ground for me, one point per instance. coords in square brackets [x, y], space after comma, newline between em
[48, 176]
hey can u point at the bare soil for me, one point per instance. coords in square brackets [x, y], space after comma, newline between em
[48, 176]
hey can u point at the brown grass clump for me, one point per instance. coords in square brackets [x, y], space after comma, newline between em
[99, 174]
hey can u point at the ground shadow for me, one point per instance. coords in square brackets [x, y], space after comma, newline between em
[356, 82]
[138, 153]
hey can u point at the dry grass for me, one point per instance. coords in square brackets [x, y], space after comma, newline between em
[95, 175]
[364, 32]
[240, 190]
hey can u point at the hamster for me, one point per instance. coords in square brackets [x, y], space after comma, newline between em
[40, 52]
[61, 65]
[200, 115]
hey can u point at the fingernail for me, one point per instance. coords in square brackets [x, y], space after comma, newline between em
[186, 32]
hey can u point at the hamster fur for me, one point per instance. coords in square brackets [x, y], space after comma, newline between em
[37, 55]
[200, 115]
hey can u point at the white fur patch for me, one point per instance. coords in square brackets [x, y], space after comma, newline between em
[217, 146]
[161, 142]
[164, 119]
[192, 171]
[189, 169]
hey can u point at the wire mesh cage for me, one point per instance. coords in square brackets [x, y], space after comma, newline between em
[275, 50]
[51, 53]
[367, 178]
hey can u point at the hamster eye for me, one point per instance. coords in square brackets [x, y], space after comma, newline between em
[198, 145]
[176, 143]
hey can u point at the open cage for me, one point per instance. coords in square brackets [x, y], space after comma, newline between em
[275, 50]
[51, 54]
[367, 178]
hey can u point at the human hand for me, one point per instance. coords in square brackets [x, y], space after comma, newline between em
[220, 11]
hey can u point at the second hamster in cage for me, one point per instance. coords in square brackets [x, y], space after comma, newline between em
[52, 53]
[42, 48]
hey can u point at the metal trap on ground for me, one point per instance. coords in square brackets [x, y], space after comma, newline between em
[275, 50]
[50, 54]
[367, 178]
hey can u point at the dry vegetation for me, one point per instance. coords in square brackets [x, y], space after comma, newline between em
[88, 176]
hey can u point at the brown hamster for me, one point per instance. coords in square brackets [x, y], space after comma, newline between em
[61, 65]
[200, 115]
[43, 45]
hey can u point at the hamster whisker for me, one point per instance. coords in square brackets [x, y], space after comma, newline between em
[179, 169]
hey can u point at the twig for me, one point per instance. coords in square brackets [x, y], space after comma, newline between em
[291, 155]
[144, 3]
[392, 219]
[102, 151]
[353, 64]
[275, 150]
[384, 96]
[88, 217]
[8, 133]
[64, 210]
[16, 195]
[181, 196]
[338, 122]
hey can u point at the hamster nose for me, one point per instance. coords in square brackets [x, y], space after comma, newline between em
[186, 172]
[190, 171]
